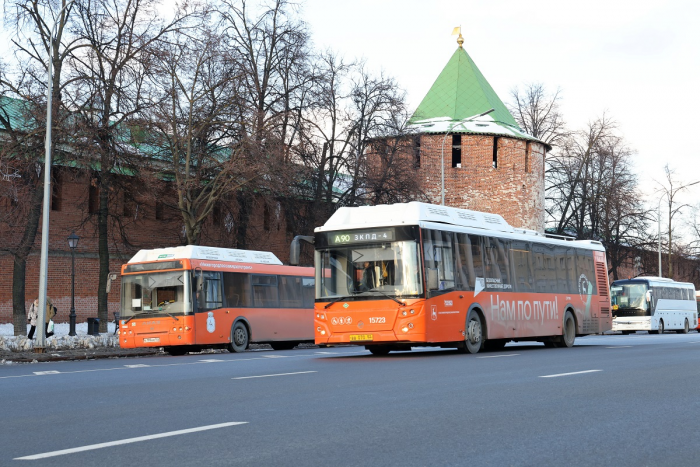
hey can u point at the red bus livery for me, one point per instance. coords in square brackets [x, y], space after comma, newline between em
[391, 277]
[193, 297]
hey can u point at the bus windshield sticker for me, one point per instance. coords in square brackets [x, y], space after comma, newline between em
[479, 285]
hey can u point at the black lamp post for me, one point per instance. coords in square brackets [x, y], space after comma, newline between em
[73, 244]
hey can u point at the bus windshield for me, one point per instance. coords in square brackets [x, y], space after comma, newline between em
[629, 295]
[155, 293]
[382, 269]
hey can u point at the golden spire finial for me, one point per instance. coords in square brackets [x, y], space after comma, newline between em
[460, 39]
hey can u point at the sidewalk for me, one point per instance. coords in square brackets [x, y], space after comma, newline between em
[61, 346]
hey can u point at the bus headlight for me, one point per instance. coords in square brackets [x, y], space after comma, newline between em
[321, 316]
[405, 329]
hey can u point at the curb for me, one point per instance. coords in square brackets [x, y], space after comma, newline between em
[25, 357]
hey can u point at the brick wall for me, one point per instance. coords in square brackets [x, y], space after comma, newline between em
[514, 189]
[128, 233]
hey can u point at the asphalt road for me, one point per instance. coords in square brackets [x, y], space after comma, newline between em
[610, 400]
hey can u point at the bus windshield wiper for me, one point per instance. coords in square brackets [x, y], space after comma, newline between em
[386, 295]
[336, 299]
[135, 315]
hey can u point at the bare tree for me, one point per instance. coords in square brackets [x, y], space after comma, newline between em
[23, 119]
[195, 125]
[592, 192]
[110, 87]
[671, 188]
[537, 112]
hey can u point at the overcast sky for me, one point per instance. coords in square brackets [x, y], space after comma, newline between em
[638, 61]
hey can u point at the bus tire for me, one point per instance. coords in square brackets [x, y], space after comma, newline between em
[283, 345]
[661, 327]
[474, 333]
[686, 328]
[568, 333]
[239, 338]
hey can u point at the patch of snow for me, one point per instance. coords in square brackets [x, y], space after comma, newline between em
[60, 340]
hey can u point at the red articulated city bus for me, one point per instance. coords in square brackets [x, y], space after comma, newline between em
[193, 297]
[391, 277]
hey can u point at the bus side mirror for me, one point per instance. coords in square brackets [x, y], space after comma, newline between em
[295, 248]
[432, 276]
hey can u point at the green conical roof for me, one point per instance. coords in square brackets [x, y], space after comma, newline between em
[461, 91]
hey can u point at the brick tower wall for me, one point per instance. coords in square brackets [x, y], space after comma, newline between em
[514, 189]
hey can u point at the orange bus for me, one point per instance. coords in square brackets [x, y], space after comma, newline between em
[391, 277]
[192, 297]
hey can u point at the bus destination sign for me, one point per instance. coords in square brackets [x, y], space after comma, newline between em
[360, 236]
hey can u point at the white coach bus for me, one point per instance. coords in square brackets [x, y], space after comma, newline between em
[653, 304]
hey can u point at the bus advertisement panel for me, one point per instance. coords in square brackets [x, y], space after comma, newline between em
[393, 277]
[193, 297]
[653, 304]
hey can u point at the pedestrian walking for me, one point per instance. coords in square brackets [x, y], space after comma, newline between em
[33, 317]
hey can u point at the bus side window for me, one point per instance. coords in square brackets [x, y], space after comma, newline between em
[237, 289]
[265, 291]
[210, 297]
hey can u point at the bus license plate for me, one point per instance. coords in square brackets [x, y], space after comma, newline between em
[151, 339]
[360, 337]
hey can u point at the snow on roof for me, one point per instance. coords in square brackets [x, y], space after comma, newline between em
[206, 252]
[413, 213]
[476, 124]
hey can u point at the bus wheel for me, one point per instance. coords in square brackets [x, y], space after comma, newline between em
[378, 349]
[569, 333]
[176, 351]
[661, 327]
[685, 329]
[283, 345]
[626, 333]
[474, 337]
[239, 338]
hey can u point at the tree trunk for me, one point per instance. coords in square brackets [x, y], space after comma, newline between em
[19, 313]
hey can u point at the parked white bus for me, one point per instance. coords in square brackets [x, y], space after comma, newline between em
[653, 304]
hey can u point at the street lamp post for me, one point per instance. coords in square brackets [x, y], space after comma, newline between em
[44, 262]
[73, 244]
[442, 151]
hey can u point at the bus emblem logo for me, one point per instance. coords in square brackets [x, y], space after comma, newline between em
[211, 323]
[345, 305]
[433, 313]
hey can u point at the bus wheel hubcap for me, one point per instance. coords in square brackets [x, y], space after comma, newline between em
[474, 332]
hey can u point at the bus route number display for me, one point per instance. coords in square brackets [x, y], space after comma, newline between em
[360, 236]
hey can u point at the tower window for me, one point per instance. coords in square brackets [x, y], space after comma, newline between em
[416, 151]
[495, 152]
[266, 218]
[456, 150]
[159, 210]
[528, 148]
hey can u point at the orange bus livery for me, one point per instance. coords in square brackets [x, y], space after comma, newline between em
[192, 297]
[391, 277]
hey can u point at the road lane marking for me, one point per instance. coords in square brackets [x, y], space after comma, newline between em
[619, 347]
[212, 360]
[497, 356]
[568, 374]
[91, 447]
[278, 374]
[51, 372]
[276, 356]
[138, 365]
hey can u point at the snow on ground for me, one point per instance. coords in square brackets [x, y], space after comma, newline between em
[60, 340]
